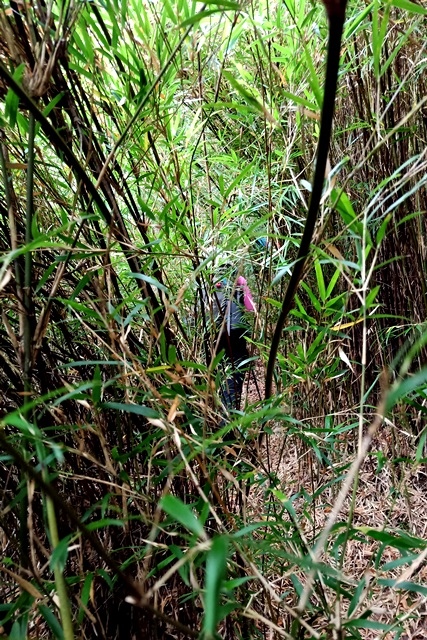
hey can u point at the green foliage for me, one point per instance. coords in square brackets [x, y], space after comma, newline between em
[216, 562]
[145, 147]
[182, 514]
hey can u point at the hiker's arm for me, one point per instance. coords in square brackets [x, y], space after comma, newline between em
[247, 295]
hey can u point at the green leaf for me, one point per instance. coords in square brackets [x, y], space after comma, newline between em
[314, 301]
[223, 5]
[197, 17]
[357, 596]
[48, 272]
[87, 363]
[361, 623]
[81, 285]
[84, 597]
[313, 79]
[407, 5]
[274, 303]
[297, 584]
[19, 629]
[405, 586]
[80, 308]
[52, 622]
[345, 209]
[312, 106]
[247, 95]
[404, 560]
[229, 585]
[104, 522]
[383, 228]
[12, 100]
[97, 385]
[249, 529]
[76, 393]
[320, 280]
[353, 23]
[59, 556]
[239, 179]
[405, 387]
[421, 446]
[182, 513]
[52, 104]
[15, 419]
[149, 280]
[332, 283]
[216, 563]
[398, 540]
[370, 298]
[139, 409]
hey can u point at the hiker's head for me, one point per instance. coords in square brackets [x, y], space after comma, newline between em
[224, 283]
[229, 270]
[224, 270]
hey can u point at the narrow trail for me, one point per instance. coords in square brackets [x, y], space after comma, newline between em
[254, 386]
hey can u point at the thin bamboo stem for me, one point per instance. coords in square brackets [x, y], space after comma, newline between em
[61, 586]
[336, 15]
[28, 303]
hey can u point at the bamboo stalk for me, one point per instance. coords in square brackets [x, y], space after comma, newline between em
[61, 586]
[336, 16]
[28, 302]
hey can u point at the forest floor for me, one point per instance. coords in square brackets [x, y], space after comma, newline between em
[390, 495]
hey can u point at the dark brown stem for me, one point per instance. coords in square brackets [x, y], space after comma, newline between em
[336, 15]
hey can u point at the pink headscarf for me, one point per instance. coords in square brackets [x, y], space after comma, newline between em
[247, 295]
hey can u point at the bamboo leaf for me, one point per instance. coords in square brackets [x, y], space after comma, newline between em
[320, 280]
[149, 280]
[216, 563]
[411, 7]
[139, 410]
[333, 281]
[362, 623]
[52, 622]
[12, 100]
[197, 17]
[404, 387]
[405, 586]
[104, 522]
[241, 90]
[183, 514]
[58, 558]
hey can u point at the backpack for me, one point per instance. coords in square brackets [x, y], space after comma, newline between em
[228, 305]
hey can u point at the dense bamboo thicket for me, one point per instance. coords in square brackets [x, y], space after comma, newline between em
[145, 148]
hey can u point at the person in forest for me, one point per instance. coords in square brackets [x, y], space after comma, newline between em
[231, 299]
